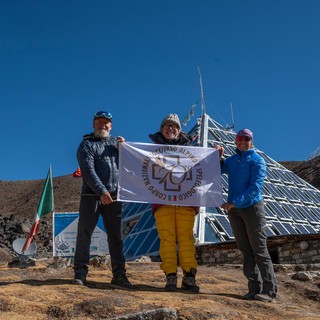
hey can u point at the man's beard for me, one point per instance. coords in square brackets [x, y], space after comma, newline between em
[102, 133]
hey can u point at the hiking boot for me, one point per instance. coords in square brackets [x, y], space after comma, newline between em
[189, 281]
[80, 279]
[250, 295]
[121, 280]
[264, 297]
[171, 282]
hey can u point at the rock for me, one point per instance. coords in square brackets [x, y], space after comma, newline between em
[26, 227]
[5, 256]
[155, 314]
[18, 263]
[306, 276]
[143, 259]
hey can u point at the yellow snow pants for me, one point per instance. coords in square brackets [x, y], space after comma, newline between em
[175, 227]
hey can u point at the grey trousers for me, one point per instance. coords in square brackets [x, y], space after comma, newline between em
[89, 213]
[248, 227]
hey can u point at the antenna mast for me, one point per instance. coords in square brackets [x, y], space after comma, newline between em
[204, 118]
[202, 95]
[231, 127]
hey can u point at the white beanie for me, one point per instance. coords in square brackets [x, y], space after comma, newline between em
[172, 117]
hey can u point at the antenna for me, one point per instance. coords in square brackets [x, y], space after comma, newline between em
[227, 126]
[17, 246]
[204, 117]
[202, 95]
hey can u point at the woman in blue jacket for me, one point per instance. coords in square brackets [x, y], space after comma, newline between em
[246, 172]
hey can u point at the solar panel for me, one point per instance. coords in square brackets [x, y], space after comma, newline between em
[268, 160]
[142, 222]
[132, 209]
[212, 210]
[270, 214]
[126, 209]
[154, 249]
[269, 231]
[298, 181]
[224, 223]
[276, 208]
[213, 136]
[287, 191]
[313, 195]
[212, 233]
[311, 229]
[308, 215]
[133, 243]
[303, 229]
[301, 195]
[284, 177]
[228, 150]
[290, 228]
[280, 228]
[295, 214]
[222, 135]
[271, 175]
[224, 180]
[316, 212]
[147, 242]
[231, 136]
[214, 124]
[266, 193]
[274, 191]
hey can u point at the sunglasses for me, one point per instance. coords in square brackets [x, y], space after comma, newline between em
[103, 114]
[243, 138]
[168, 125]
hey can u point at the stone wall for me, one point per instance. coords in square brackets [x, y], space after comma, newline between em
[296, 252]
[302, 249]
[218, 254]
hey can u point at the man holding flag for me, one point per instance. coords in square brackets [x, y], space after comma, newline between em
[45, 206]
[98, 160]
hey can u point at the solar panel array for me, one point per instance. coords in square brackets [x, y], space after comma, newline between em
[292, 205]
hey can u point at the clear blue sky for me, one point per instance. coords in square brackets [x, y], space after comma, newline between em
[62, 60]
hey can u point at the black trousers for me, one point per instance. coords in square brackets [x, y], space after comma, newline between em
[248, 227]
[89, 213]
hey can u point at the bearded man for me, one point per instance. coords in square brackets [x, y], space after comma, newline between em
[98, 161]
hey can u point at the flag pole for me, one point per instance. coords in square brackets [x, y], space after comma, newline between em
[45, 206]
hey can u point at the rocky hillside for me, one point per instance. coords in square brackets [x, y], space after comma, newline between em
[22, 197]
[307, 170]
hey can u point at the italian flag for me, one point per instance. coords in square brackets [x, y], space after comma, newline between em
[45, 206]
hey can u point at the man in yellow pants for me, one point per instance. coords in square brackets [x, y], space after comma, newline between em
[175, 223]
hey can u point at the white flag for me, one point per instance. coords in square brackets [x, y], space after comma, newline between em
[169, 174]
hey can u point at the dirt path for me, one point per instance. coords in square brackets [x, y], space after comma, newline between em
[41, 292]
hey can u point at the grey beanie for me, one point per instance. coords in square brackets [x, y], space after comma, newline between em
[172, 117]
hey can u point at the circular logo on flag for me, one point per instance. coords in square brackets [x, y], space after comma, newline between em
[172, 173]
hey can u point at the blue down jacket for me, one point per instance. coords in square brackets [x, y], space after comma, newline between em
[98, 161]
[246, 170]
